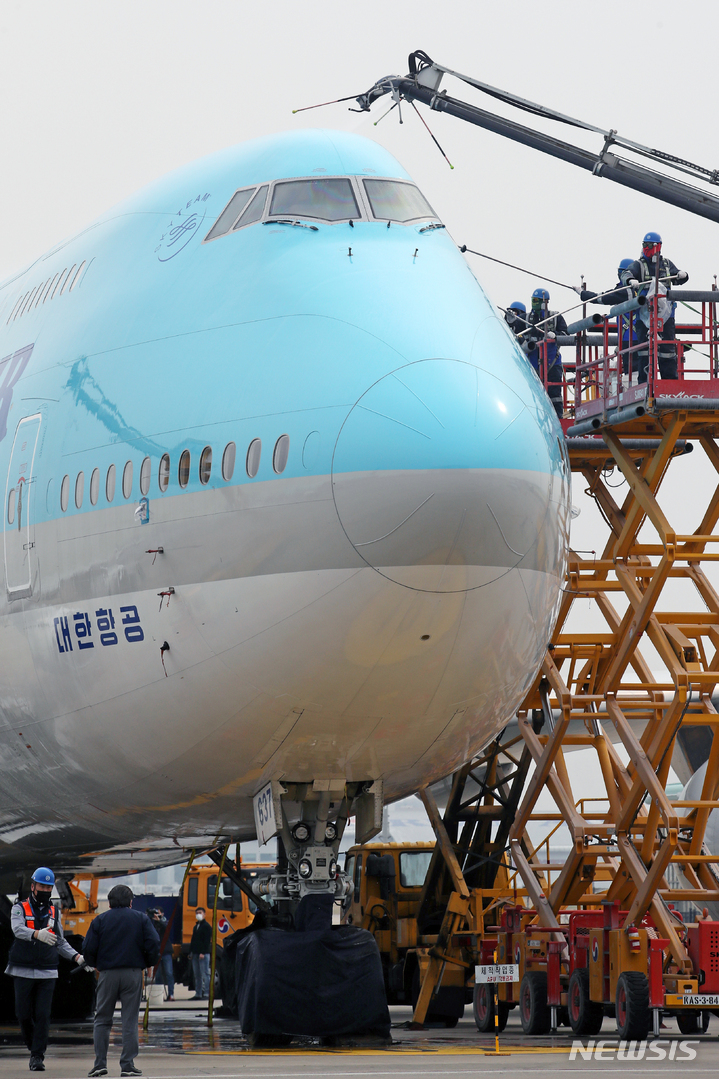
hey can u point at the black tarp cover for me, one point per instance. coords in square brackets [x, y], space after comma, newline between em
[320, 982]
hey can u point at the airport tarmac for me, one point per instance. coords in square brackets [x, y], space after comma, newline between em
[179, 1043]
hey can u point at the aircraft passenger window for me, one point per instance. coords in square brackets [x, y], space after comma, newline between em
[230, 213]
[64, 493]
[254, 452]
[206, 464]
[67, 279]
[255, 209]
[28, 302]
[79, 489]
[392, 200]
[127, 480]
[183, 472]
[76, 278]
[110, 484]
[11, 506]
[49, 287]
[281, 453]
[145, 476]
[228, 461]
[59, 282]
[163, 472]
[94, 486]
[329, 200]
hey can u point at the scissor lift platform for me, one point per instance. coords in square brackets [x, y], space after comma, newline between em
[636, 840]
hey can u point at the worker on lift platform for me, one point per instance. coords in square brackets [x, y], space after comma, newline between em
[619, 294]
[640, 277]
[544, 328]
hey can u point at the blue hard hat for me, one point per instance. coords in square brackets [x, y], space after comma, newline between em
[43, 875]
[541, 294]
[517, 305]
[625, 264]
[652, 238]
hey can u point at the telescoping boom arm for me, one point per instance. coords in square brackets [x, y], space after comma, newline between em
[422, 84]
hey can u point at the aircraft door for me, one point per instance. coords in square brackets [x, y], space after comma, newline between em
[18, 515]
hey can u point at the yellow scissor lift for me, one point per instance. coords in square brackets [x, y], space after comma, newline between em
[627, 947]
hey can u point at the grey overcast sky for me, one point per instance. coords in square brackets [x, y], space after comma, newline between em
[100, 97]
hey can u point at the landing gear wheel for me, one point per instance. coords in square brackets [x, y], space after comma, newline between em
[533, 1008]
[585, 1015]
[634, 1019]
[693, 1022]
[483, 1010]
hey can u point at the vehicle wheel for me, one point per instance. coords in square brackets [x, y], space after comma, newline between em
[483, 1010]
[634, 1019]
[585, 1015]
[533, 1008]
[693, 1022]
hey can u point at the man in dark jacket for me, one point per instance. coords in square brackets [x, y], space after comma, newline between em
[641, 277]
[544, 328]
[33, 962]
[200, 945]
[121, 943]
[160, 923]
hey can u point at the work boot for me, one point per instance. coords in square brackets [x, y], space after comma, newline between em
[37, 1063]
[97, 1071]
[130, 1069]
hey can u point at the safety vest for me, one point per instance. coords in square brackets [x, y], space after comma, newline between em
[35, 954]
[648, 270]
[551, 350]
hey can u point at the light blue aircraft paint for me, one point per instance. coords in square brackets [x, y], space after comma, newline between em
[356, 481]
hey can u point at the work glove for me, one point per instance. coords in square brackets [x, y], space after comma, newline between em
[46, 936]
[550, 335]
[682, 276]
[82, 962]
[579, 289]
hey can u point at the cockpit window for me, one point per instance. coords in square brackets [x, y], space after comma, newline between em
[391, 200]
[230, 213]
[325, 199]
[255, 209]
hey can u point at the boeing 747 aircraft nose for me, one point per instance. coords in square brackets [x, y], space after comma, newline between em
[436, 484]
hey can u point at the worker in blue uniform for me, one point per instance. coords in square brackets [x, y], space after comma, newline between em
[544, 328]
[516, 316]
[627, 335]
[33, 961]
[641, 277]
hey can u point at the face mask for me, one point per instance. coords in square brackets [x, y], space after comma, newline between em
[199, 917]
[41, 900]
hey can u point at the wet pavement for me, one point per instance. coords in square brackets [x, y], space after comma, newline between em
[179, 1043]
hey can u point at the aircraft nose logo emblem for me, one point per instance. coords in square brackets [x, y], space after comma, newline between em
[183, 225]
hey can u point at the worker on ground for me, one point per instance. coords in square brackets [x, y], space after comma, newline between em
[627, 335]
[641, 278]
[121, 943]
[168, 974]
[200, 944]
[544, 328]
[33, 961]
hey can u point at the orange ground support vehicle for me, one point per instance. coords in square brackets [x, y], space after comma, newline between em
[387, 887]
